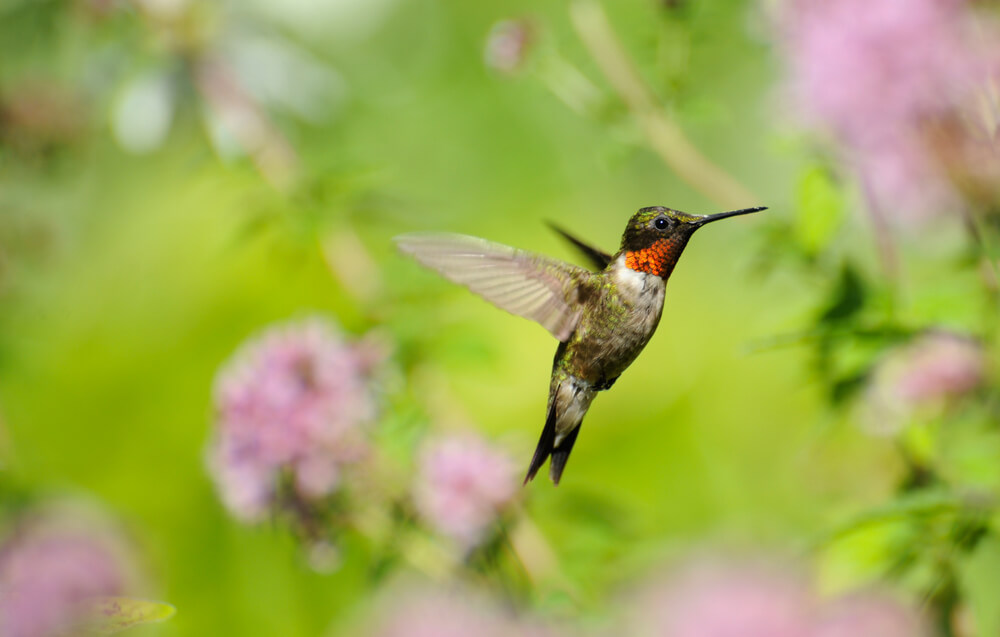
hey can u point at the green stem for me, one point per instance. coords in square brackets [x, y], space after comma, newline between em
[941, 601]
[664, 136]
[568, 84]
[981, 236]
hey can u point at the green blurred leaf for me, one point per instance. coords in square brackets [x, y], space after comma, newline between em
[979, 579]
[847, 298]
[863, 554]
[920, 444]
[109, 615]
[819, 210]
[846, 387]
[914, 504]
[970, 454]
[917, 537]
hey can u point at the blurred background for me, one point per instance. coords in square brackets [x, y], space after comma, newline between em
[197, 196]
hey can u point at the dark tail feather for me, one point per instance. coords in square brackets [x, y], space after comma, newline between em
[560, 455]
[545, 444]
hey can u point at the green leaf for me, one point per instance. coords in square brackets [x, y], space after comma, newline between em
[916, 504]
[979, 579]
[819, 210]
[108, 615]
[862, 556]
[847, 298]
[971, 453]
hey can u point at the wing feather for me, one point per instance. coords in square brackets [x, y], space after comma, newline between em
[523, 283]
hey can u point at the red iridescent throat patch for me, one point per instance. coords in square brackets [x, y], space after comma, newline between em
[658, 259]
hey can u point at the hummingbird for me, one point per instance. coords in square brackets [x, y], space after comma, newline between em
[603, 317]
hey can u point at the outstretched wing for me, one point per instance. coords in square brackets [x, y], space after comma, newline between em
[599, 258]
[522, 283]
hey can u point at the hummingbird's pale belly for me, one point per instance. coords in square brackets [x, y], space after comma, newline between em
[616, 326]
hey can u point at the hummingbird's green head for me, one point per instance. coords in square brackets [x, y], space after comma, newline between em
[656, 236]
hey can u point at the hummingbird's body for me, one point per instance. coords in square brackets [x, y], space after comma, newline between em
[621, 312]
[602, 319]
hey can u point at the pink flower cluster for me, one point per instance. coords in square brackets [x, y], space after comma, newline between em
[938, 366]
[49, 568]
[463, 485]
[294, 402]
[889, 79]
[508, 45]
[934, 369]
[441, 613]
[702, 599]
[707, 599]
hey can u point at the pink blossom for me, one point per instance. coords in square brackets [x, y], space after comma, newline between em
[463, 484]
[877, 75]
[295, 401]
[508, 45]
[717, 600]
[451, 613]
[752, 599]
[49, 567]
[867, 615]
[939, 365]
[936, 368]
[442, 614]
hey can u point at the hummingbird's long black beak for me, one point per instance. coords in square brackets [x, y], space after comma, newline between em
[725, 215]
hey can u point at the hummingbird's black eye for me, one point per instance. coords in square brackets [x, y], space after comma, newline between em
[661, 223]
